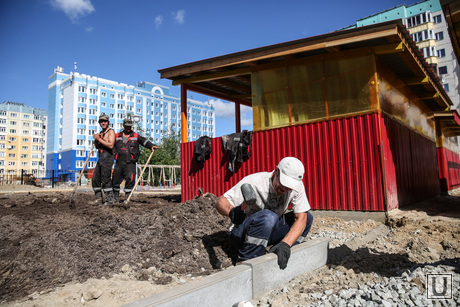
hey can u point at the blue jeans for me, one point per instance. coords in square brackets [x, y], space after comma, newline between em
[262, 229]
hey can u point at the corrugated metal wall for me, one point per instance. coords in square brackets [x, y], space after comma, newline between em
[343, 169]
[411, 169]
[449, 169]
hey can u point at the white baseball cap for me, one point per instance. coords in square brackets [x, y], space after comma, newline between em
[291, 173]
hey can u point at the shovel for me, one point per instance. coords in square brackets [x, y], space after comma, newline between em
[139, 178]
[72, 204]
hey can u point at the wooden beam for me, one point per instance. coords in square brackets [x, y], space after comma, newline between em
[183, 116]
[213, 76]
[389, 48]
[417, 81]
[431, 96]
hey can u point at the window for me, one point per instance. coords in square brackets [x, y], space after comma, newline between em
[80, 142]
[12, 130]
[2, 129]
[36, 140]
[112, 106]
[12, 156]
[35, 147]
[24, 156]
[112, 96]
[11, 163]
[14, 114]
[93, 91]
[437, 19]
[26, 116]
[441, 53]
[446, 87]
[13, 123]
[81, 110]
[25, 140]
[121, 96]
[104, 94]
[443, 70]
[439, 36]
[25, 132]
[26, 124]
[82, 99]
[82, 89]
[3, 113]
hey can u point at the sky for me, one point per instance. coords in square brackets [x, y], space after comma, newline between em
[128, 41]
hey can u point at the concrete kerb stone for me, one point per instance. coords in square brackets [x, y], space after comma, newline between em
[244, 282]
[305, 257]
[224, 288]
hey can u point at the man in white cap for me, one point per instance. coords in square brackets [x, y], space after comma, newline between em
[258, 208]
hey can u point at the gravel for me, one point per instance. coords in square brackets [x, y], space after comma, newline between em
[337, 284]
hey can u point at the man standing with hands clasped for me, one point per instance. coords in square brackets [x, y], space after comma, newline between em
[102, 178]
[126, 154]
[258, 208]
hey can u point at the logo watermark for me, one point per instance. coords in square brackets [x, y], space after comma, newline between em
[439, 286]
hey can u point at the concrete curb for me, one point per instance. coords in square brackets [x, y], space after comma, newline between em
[244, 282]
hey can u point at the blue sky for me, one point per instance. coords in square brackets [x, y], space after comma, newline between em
[129, 40]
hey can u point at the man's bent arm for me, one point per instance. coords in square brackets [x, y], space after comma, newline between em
[223, 206]
[296, 229]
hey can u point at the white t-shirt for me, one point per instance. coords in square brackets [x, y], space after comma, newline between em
[268, 198]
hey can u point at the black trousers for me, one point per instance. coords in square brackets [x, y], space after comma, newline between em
[124, 171]
[102, 177]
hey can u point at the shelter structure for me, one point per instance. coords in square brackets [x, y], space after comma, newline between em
[355, 106]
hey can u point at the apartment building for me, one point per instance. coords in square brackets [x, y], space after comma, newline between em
[76, 100]
[22, 139]
[426, 23]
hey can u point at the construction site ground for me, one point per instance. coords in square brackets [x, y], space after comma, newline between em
[93, 255]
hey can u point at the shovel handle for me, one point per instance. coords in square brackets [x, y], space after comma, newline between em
[140, 176]
[83, 169]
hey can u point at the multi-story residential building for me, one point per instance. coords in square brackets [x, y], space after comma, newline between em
[22, 139]
[76, 100]
[426, 23]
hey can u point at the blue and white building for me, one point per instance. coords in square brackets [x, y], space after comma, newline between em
[76, 101]
[426, 23]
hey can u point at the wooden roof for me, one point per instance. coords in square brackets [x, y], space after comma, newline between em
[229, 76]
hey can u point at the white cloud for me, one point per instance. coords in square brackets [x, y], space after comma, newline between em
[223, 109]
[227, 110]
[158, 21]
[179, 17]
[89, 29]
[74, 9]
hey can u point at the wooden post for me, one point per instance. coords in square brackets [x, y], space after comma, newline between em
[183, 104]
[238, 116]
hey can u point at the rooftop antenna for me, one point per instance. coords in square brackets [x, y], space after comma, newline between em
[75, 66]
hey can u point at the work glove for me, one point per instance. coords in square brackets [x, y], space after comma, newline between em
[237, 215]
[283, 251]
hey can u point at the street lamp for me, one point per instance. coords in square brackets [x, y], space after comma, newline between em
[136, 118]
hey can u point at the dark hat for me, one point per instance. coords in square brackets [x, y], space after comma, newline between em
[103, 116]
[127, 122]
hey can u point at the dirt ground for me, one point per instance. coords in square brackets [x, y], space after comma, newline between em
[93, 255]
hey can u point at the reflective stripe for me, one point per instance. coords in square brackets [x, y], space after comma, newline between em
[300, 239]
[97, 189]
[108, 190]
[256, 241]
[128, 191]
[116, 189]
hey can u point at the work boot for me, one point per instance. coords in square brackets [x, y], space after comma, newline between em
[98, 198]
[108, 198]
[251, 198]
[116, 197]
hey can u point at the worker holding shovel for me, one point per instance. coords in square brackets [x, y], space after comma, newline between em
[102, 178]
[126, 155]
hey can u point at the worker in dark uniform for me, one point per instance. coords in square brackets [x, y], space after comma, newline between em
[126, 155]
[102, 178]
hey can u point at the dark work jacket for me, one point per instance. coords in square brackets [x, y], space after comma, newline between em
[129, 151]
[104, 151]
